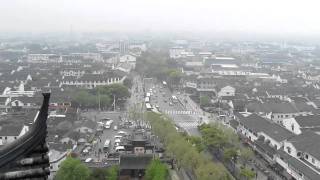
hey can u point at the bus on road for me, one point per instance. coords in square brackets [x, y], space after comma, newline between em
[106, 146]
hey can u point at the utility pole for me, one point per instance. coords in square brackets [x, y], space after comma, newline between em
[114, 103]
[99, 100]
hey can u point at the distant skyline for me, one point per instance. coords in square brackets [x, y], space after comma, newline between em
[277, 17]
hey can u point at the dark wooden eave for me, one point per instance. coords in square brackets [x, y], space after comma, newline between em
[27, 156]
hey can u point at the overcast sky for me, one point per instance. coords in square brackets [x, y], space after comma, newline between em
[260, 16]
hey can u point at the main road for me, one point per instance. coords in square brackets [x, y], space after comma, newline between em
[184, 114]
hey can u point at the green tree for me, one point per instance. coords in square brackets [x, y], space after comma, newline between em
[196, 142]
[105, 101]
[174, 77]
[230, 153]
[209, 171]
[119, 91]
[128, 82]
[101, 96]
[204, 100]
[246, 154]
[247, 173]
[81, 97]
[154, 63]
[213, 136]
[156, 171]
[98, 174]
[180, 148]
[72, 169]
[112, 173]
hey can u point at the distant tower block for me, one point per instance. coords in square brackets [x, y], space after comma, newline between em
[123, 46]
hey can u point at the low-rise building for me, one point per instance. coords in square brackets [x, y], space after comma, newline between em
[227, 91]
[299, 124]
[10, 133]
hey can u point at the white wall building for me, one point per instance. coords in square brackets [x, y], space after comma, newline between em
[227, 91]
[8, 134]
[175, 52]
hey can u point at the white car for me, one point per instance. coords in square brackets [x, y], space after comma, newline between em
[120, 149]
[115, 128]
[88, 160]
[122, 132]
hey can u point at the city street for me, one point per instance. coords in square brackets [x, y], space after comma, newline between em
[97, 153]
[183, 116]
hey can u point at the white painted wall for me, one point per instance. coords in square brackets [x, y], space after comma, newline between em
[127, 58]
[312, 160]
[293, 151]
[292, 125]
[248, 134]
[273, 142]
[227, 91]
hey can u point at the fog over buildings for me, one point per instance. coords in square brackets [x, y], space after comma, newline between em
[159, 89]
[267, 17]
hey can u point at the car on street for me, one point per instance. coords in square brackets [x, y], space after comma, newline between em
[170, 104]
[115, 128]
[113, 155]
[119, 149]
[117, 137]
[118, 140]
[88, 160]
[86, 150]
[122, 133]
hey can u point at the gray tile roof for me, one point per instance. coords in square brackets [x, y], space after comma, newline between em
[273, 107]
[303, 107]
[308, 121]
[299, 166]
[308, 141]
[11, 130]
[259, 124]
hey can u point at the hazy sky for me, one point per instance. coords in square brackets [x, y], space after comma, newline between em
[262, 16]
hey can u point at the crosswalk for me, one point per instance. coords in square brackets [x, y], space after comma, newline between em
[173, 112]
[187, 125]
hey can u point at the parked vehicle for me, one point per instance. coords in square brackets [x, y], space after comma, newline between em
[106, 146]
[122, 133]
[88, 160]
[120, 149]
[117, 136]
